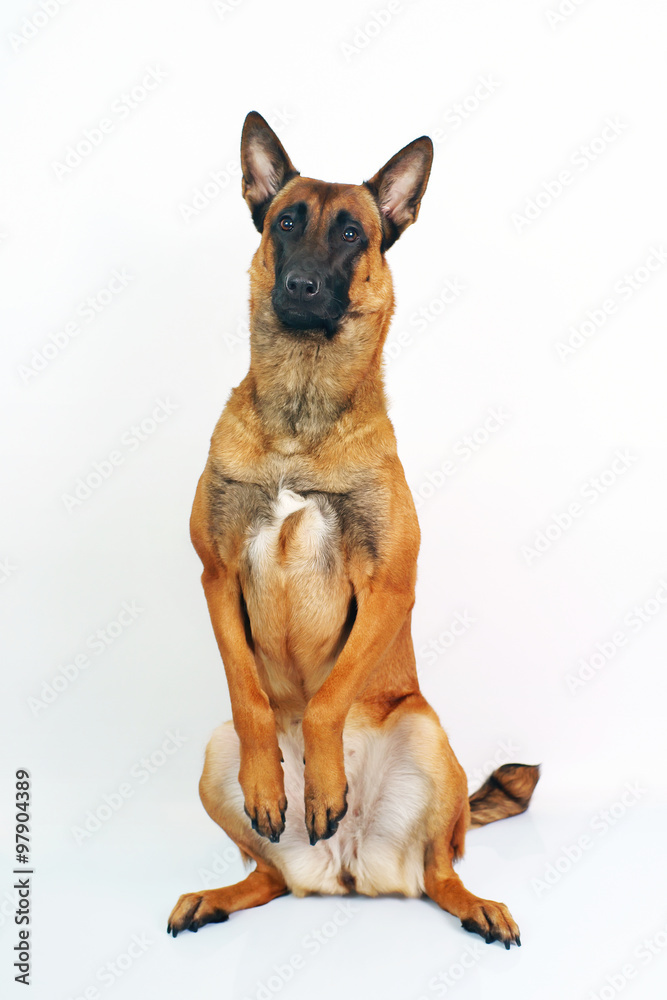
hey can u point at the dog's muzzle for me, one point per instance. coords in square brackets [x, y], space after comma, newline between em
[304, 300]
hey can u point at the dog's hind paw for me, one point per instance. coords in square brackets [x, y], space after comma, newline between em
[192, 911]
[493, 921]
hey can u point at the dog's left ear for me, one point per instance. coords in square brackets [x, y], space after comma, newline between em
[399, 187]
[265, 164]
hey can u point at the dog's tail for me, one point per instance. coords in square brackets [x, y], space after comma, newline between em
[506, 792]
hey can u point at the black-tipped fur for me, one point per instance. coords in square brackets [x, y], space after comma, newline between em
[506, 792]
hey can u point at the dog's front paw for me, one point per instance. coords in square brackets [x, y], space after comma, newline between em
[264, 793]
[326, 804]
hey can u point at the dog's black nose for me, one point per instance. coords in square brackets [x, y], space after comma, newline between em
[301, 286]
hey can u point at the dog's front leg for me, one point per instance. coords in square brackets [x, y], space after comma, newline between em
[382, 615]
[261, 773]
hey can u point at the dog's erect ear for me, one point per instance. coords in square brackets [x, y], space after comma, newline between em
[265, 165]
[399, 187]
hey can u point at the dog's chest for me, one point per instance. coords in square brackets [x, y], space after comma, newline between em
[297, 592]
[293, 534]
[293, 544]
[287, 519]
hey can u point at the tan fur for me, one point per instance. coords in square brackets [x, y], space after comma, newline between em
[309, 538]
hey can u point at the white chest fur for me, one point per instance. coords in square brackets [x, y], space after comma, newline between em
[299, 529]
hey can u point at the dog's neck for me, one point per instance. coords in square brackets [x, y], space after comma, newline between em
[302, 383]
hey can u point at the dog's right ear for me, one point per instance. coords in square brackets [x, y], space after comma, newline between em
[265, 164]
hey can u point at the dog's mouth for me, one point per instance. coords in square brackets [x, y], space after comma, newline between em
[302, 320]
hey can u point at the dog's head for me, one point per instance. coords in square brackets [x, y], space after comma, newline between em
[321, 256]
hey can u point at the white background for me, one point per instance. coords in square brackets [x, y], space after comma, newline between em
[175, 333]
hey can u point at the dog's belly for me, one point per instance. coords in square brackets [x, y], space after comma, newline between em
[379, 845]
[297, 595]
[380, 842]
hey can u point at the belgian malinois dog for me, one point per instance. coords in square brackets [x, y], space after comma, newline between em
[308, 535]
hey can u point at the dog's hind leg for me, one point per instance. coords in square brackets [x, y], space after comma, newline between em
[211, 906]
[482, 916]
[222, 798]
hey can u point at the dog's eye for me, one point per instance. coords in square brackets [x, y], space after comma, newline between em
[287, 223]
[351, 234]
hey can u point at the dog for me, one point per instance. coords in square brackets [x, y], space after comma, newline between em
[308, 537]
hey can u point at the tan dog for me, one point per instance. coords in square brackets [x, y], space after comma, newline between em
[309, 539]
